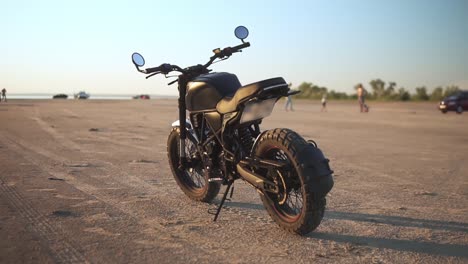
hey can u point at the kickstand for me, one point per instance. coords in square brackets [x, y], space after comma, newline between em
[229, 185]
[232, 191]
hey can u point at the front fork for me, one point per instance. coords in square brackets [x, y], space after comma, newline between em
[182, 116]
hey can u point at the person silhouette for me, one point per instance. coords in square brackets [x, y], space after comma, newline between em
[289, 104]
[3, 95]
[361, 95]
[324, 103]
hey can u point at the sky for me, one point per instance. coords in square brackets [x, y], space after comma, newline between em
[66, 46]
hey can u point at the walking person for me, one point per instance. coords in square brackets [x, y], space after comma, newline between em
[3, 95]
[361, 95]
[324, 103]
[289, 103]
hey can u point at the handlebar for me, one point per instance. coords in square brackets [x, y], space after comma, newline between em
[226, 52]
[241, 46]
[165, 68]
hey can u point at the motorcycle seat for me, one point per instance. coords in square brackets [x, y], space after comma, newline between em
[229, 103]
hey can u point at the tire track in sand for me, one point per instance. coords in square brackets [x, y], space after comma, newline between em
[154, 228]
[62, 250]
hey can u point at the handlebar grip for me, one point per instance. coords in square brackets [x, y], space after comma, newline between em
[241, 46]
[164, 68]
[151, 70]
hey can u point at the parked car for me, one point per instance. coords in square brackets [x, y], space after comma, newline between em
[81, 95]
[60, 96]
[457, 102]
[142, 96]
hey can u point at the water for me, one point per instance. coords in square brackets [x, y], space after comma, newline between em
[93, 96]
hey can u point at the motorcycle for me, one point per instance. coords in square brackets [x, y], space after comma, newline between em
[221, 142]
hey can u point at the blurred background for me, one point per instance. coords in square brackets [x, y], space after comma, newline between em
[65, 47]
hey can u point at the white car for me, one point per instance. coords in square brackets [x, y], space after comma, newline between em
[81, 95]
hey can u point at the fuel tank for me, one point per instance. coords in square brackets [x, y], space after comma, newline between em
[205, 91]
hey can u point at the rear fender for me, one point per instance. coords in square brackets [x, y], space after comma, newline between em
[315, 166]
[256, 142]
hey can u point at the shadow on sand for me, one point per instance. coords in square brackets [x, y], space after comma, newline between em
[245, 205]
[399, 221]
[452, 250]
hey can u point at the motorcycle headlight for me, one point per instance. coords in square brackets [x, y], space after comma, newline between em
[257, 110]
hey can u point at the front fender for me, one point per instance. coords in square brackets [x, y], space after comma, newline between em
[187, 123]
[188, 126]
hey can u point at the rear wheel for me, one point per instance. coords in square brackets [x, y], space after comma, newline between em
[192, 181]
[459, 109]
[295, 208]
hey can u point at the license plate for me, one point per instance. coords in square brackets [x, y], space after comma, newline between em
[257, 110]
[442, 106]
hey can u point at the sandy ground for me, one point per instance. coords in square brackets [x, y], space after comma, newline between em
[88, 181]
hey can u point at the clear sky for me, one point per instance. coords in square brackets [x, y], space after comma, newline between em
[65, 46]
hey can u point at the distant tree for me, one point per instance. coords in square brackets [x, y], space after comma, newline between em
[390, 89]
[305, 89]
[449, 90]
[437, 94]
[378, 88]
[403, 95]
[421, 94]
[379, 91]
[390, 93]
[337, 95]
[311, 91]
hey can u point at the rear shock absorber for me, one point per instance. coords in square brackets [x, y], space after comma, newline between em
[246, 139]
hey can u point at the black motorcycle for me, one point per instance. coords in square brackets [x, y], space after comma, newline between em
[221, 142]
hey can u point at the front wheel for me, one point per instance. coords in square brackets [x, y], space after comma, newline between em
[192, 181]
[295, 208]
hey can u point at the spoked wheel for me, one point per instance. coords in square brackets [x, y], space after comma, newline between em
[193, 180]
[295, 207]
[288, 202]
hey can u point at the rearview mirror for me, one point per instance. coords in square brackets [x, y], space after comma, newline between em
[241, 32]
[137, 59]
